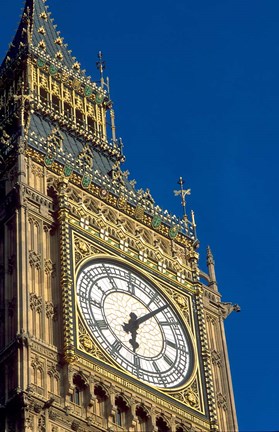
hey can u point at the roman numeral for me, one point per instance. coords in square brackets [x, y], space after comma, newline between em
[171, 344]
[156, 367]
[116, 346]
[131, 288]
[152, 299]
[101, 324]
[113, 284]
[94, 302]
[167, 360]
[168, 323]
[137, 363]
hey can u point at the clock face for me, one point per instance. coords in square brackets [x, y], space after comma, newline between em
[133, 322]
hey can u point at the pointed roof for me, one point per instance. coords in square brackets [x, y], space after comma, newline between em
[38, 33]
[95, 159]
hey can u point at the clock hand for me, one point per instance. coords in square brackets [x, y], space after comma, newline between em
[132, 327]
[149, 315]
[134, 322]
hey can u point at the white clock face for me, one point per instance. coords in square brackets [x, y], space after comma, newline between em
[134, 323]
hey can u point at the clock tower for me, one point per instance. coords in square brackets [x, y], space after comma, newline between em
[107, 322]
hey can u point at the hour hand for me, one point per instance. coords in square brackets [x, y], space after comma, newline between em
[132, 327]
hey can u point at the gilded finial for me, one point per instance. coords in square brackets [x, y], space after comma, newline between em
[182, 192]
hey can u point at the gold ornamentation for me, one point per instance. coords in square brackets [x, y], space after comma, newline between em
[190, 396]
[86, 342]
[76, 65]
[44, 81]
[86, 157]
[182, 302]
[59, 55]
[76, 84]
[59, 41]
[64, 76]
[42, 45]
[83, 249]
[139, 213]
[79, 103]
[55, 88]
[41, 30]
[121, 202]
[67, 95]
[88, 345]
[43, 15]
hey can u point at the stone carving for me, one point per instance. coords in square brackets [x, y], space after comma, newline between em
[35, 259]
[226, 309]
[37, 170]
[23, 338]
[216, 358]
[221, 401]
[50, 310]
[49, 267]
[75, 425]
[36, 363]
[211, 319]
[36, 302]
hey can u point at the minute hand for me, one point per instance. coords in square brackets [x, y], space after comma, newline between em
[149, 315]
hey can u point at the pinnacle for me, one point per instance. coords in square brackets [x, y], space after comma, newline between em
[37, 33]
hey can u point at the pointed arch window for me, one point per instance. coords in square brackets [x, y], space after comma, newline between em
[122, 411]
[103, 407]
[79, 395]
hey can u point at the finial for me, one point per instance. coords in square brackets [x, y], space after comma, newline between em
[183, 193]
[211, 269]
[209, 253]
[101, 65]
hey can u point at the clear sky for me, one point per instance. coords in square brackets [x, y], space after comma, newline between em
[196, 89]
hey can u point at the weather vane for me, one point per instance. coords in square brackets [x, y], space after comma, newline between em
[101, 65]
[183, 193]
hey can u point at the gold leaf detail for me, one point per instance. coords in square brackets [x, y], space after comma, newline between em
[76, 65]
[42, 45]
[59, 41]
[83, 249]
[43, 15]
[41, 30]
[59, 55]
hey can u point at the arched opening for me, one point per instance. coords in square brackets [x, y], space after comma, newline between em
[103, 402]
[122, 412]
[162, 425]
[143, 418]
[80, 390]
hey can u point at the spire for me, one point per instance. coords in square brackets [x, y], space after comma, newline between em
[211, 269]
[183, 193]
[37, 33]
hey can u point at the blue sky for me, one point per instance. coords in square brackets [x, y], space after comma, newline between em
[195, 88]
